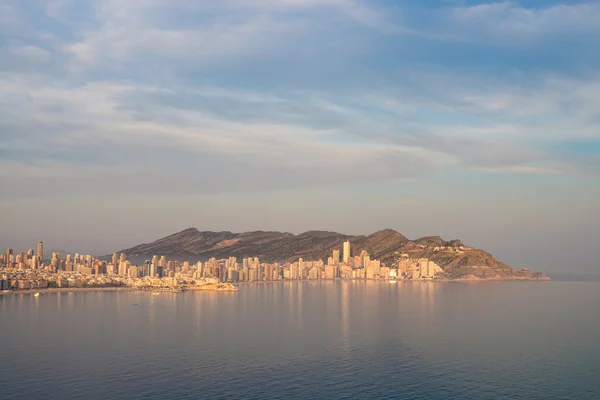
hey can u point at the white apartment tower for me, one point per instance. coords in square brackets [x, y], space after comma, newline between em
[346, 253]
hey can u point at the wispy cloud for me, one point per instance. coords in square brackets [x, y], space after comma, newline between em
[525, 169]
[512, 21]
[307, 92]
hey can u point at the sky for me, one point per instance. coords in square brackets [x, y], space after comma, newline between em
[124, 121]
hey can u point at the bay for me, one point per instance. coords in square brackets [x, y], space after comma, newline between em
[303, 340]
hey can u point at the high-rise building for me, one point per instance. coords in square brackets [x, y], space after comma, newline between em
[336, 257]
[115, 258]
[133, 272]
[403, 267]
[268, 272]
[294, 271]
[123, 268]
[366, 261]
[55, 261]
[40, 250]
[231, 262]
[346, 254]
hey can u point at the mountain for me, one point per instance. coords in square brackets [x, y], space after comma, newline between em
[269, 246]
[456, 259]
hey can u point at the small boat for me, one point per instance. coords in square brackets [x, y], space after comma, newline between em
[36, 295]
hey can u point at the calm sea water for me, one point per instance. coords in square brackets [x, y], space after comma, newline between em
[323, 340]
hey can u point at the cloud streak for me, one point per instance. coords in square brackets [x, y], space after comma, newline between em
[307, 92]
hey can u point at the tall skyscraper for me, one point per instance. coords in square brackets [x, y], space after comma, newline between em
[115, 259]
[123, 268]
[55, 261]
[346, 255]
[268, 272]
[336, 257]
[40, 250]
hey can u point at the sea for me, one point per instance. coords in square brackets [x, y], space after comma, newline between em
[307, 340]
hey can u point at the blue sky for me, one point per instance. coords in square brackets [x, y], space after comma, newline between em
[121, 122]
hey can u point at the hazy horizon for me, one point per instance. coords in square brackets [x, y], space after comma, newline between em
[124, 122]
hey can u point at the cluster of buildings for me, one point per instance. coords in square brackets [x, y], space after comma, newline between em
[31, 270]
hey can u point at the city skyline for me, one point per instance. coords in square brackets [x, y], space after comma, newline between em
[30, 271]
[341, 253]
[122, 122]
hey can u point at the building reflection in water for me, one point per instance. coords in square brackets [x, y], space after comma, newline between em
[345, 316]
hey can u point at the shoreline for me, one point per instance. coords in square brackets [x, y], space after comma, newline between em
[102, 289]
[65, 290]
[236, 284]
[402, 280]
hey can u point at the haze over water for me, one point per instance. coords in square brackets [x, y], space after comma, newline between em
[299, 340]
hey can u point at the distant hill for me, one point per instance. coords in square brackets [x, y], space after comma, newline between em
[458, 260]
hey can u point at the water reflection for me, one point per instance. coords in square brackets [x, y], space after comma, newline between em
[345, 316]
[298, 340]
